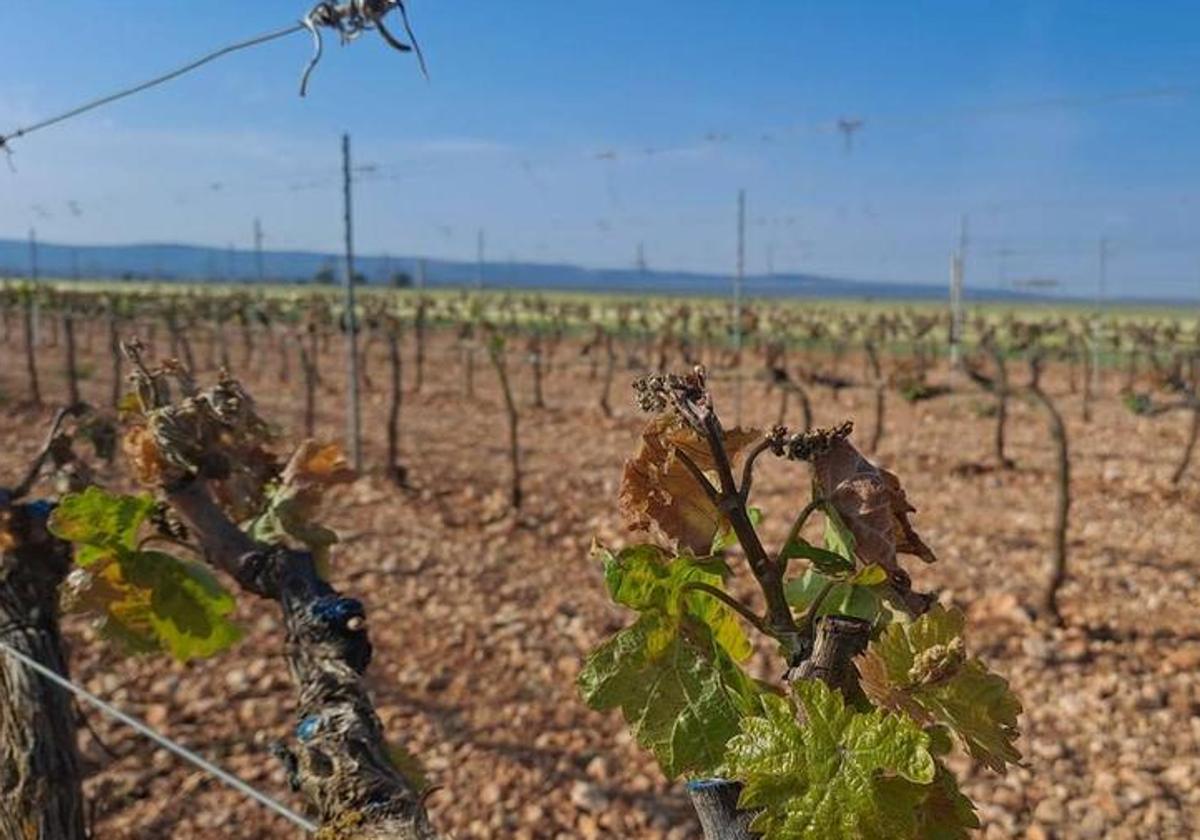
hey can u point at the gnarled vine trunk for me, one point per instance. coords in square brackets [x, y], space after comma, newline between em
[1190, 446]
[879, 385]
[1056, 572]
[40, 795]
[340, 760]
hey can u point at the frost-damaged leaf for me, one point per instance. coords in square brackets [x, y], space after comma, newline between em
[146, 599]
[922, 669]
[215, 435]
[679, 691]
[152, 601]
[140, 448]
[292, 504]
[834, 775]
[658, 493]
[98, 522]
[868, 515]
[871, 504]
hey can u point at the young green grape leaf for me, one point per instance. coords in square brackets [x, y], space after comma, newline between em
[823, 560]
[408, 766]
[292, 503]
[944, 813]
[674, 673]
[837, 537]
[680, 692]
[923, 670]
[147, 599]
[831, 775]
[129, 405]
[645, 578]
[863, 601]
[659, 494]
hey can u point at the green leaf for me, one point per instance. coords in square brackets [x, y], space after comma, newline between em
[408, 766]
[187, 607]
[674, 673]
[679, 691]
[946, 814]
[834, 776]
[843, 599]
[99, 523]
[152, 601]
[824, 561]
[129, 404]
[645, 578]
[923, 669]
[838, 537]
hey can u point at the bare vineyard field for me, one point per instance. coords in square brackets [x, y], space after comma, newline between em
[482, 617]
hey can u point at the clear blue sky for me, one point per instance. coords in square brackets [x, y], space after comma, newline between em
[525, 95]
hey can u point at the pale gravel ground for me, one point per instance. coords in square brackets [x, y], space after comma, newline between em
[480, 622]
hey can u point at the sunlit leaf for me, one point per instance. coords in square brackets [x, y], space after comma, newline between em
[872, 575]
[843, 598]
[645, 578]
[673, 673]
[679, 691]
[923, 669]
[826, 773]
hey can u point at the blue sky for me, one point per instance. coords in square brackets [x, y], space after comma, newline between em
[1038, 120]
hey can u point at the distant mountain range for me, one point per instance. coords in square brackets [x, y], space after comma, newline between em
[169, 262]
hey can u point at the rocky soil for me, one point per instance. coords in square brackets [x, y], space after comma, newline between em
[481, 618]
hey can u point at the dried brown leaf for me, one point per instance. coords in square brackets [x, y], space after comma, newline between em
[312, 469]
[658, 493]
[873, 505]
[139, 446]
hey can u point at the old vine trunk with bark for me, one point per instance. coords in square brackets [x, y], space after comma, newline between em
[40, 795]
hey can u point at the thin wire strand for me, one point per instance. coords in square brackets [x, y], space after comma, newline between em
[174, 74]
[164, 742]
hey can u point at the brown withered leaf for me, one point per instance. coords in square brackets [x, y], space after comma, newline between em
[318, 464]
[658, 493]
[142, 451]
[873, 506]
